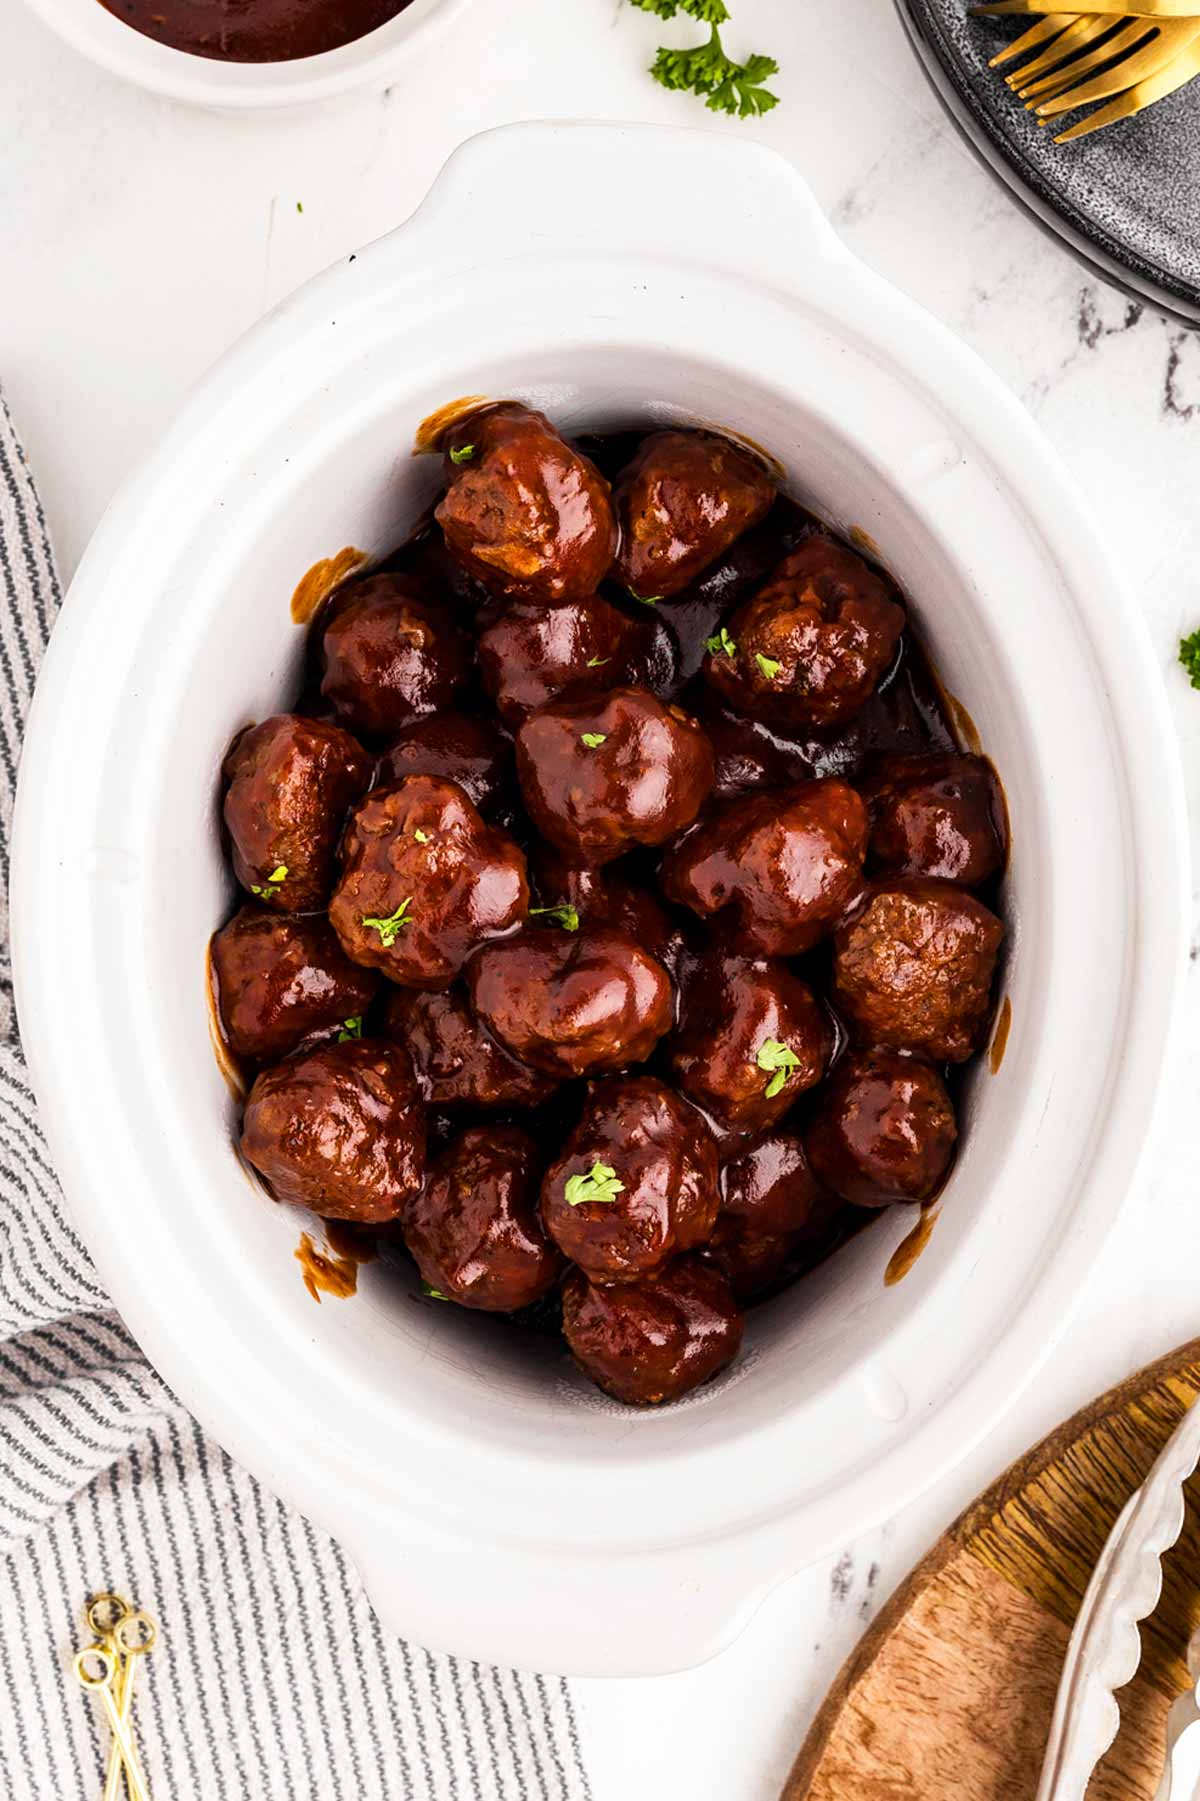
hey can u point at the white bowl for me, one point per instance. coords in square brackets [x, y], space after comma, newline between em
[371, 61]
[493, 1502]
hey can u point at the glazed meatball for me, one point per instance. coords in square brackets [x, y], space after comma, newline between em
[635, 1183]
[454, 1059]
[652, 1341]
[913, 966]
[474, 1229]
[289, 784]
[681, 503]
[774, 1217]
[531, 654]
[786, 862]
[601, 775]
[572, 1002]
[884, 1130]
[601, 897]
[391, 653]
[455, 747]
[771, 1191]
[750, 1040]
[340, 1130]
[935, 813]
[746, 754]
[524, 513]
[424, 882]
[279, 979]
[811, 646]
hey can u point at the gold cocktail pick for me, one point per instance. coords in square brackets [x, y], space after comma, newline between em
[124, 1634]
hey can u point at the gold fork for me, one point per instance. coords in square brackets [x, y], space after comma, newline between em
[1130, 61]
[1116, 9]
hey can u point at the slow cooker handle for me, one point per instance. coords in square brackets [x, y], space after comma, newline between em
[628, 190]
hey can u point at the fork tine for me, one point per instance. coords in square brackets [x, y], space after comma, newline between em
[1182, 69]
[1121, 43]
[1075, 37]
[1174, 36]
[1145, 9]
[1049, 27]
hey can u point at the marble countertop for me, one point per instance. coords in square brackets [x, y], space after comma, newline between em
[138, 238]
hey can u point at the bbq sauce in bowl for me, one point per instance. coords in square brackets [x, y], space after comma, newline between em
[254, 31]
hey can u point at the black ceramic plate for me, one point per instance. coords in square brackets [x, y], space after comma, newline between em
[1126, 200]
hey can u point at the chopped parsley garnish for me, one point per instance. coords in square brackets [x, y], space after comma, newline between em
[646, 600]
[275, 880]
[299, 206]
[433, 1294]
[389, 929]
[593, 740]
[463, 454]
[565, 915]
[600, 1184]
[722, 642]
[351, 1028]
[768, 665]
[780, 1058]
[725, 86]
[1189, 656]
[598, 662]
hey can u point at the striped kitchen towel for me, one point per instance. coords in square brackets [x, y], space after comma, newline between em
[275, 1679]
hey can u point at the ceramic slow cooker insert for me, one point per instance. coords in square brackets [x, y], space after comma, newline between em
[493, 1504]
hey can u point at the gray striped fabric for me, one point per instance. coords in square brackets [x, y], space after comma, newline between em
[274, 1678]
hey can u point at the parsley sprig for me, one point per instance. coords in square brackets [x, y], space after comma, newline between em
[564, 915]
[389, 929]
[1189, 656]
[706, 70]
[781, 1059]
[276, 879]
[601, 1183]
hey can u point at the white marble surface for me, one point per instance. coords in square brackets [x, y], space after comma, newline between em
[138, 238]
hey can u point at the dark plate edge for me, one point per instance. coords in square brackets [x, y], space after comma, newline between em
[1181, 308]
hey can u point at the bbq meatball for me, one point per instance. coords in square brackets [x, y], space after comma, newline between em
[280, 979]
[474, 1229]
[746, 754]
[601, 897]
[289, 784]
[601, 775]
[454, 747]
[533, 654]
[884, 1130]
[750, 1039]
[935, 813]
[810, 647]
[391, 653]
[775, 1216]
[424, 882]
[454, 1059]
[636, 1181]
[570, 1002]
[340, 1130]
[655, 1340]
[524, 513]
[913, 966]
[786, 862]
[681, 502]
[771, 1191]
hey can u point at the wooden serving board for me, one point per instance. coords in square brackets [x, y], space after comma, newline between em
[949, 1695]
